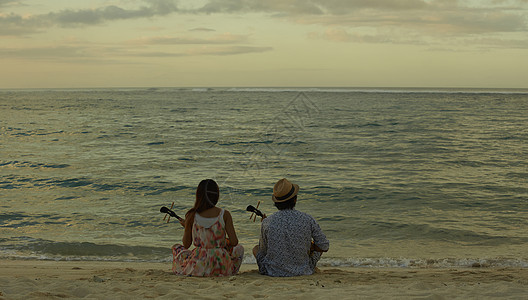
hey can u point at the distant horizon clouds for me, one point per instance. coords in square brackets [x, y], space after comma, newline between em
[264, 43]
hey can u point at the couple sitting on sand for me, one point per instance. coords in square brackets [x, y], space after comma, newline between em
[291, 242]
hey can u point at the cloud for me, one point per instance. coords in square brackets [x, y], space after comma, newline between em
[218, 51]
[8, 2]
[447, 43]
[87, 54]
[426, 17]
[440, 20]
[485, 21]
[270, 6]
[202, 29]
[226, 38]
[303, 7]
[47, 53]
[231, 50]
[499, 43]
[111, 13]
[437, 15]
[77, 53]
[365, 21]
[158, 54]
[12, 24]
[344, 36]
[444, 24]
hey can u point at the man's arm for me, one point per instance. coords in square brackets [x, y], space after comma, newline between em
[321, 243]
[263, 241]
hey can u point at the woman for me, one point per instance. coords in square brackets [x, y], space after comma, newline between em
[206, 227]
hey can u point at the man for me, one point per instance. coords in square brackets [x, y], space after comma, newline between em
[286, 247]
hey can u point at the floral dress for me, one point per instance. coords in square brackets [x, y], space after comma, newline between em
[210, 257]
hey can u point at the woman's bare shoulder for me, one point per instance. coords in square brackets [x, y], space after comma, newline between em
[227, 215]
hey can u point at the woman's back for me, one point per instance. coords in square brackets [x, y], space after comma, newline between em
[211, 255]
[209, 232]
[207, 227]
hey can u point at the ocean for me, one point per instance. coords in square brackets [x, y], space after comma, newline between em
[395, 177]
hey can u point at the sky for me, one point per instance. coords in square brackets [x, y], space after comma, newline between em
[263, 43]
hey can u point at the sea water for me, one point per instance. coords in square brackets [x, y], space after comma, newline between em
[394, 177]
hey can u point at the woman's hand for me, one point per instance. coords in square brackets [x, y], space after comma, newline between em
[230, 229]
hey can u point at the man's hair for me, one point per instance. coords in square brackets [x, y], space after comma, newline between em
[290, 204]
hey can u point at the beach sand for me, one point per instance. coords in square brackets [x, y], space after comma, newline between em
[29, 279]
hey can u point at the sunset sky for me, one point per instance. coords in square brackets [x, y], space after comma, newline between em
[241, 43]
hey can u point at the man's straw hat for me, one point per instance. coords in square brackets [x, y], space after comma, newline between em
[284, 190]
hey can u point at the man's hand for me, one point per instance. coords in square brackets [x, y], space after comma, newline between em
[314, 247]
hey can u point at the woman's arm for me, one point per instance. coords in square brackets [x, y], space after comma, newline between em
[230, 229]
[187, 235]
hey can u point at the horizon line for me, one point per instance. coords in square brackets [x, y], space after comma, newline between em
[268, 87]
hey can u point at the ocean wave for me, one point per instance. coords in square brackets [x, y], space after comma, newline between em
[366, 262]
[29, 164]
[149, 91]
[8, 217]
[155, 143]
[94, 184]
[388, 262]
[19, 132]
[73, 182]
[426, 232]
[27, 247]
[397, 174]
[17, 220]
[387, 90]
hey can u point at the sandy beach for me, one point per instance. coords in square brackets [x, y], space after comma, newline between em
[124, 280]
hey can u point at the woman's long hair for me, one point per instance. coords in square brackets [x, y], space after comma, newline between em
[207, 195]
